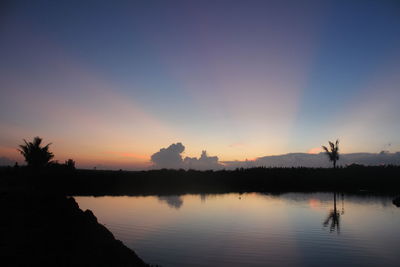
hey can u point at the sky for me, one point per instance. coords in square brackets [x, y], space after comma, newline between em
[110, 83]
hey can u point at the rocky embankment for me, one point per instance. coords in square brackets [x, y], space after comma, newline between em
[53, 231]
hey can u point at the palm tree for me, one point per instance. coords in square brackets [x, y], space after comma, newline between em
[332, 152]
[35, 155]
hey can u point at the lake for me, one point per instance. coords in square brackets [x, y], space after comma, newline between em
[292, 229]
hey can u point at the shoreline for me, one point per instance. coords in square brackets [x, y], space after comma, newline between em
[51, 230]
[377, 179]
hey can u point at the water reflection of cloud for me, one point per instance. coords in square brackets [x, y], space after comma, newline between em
[203, 198]
[173, 201]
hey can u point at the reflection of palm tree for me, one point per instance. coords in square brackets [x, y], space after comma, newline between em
[35, 155]
[332, 152]
[333, 217]
[342, 204]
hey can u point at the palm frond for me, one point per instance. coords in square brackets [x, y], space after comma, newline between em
[34, 154]
[333, 151]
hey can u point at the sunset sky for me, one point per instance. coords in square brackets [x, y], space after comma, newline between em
[111, 82]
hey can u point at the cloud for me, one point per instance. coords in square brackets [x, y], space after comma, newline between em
[318, 160]
[203, 163]
[171, 158]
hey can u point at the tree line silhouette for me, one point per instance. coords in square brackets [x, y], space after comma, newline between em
[37, 156]
[46, 174]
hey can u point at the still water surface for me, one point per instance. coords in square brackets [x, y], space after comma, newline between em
[293, 229]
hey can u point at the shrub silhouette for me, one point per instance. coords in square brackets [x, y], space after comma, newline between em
[35, 155]
[332, 152]
[70, 164]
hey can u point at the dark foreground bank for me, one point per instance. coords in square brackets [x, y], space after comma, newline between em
[53, 231]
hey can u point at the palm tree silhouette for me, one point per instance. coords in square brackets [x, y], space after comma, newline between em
[35, 155]
[332, 152]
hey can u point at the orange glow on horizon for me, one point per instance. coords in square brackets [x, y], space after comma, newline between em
[129, 155]
[315, 150]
